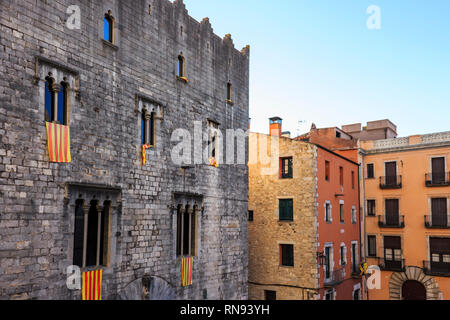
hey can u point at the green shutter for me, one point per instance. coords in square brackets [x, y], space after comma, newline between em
[286, 210]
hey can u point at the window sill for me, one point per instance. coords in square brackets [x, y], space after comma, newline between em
[110, 44]
[288, 267]
[230, 102]
[183, 79]
[285, 221]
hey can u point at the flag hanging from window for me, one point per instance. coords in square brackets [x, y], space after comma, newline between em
[92, 285]
[186, 271]
[144, 153]
[58, 142]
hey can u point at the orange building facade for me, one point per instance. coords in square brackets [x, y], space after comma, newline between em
[407, 225]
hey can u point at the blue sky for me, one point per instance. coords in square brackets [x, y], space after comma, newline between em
[316, 60]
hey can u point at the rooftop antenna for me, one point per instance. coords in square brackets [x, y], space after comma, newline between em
[300, 123]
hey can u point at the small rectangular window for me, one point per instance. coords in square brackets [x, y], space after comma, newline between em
[371, 209]
[343, 256]
[372, 246]
[327, 170]
[341, 213]
[250, 215]
[341, 176]
[270, 295]
[286, 210]
[286, 168]
[287, 255]
[370, 171]
[327, 212]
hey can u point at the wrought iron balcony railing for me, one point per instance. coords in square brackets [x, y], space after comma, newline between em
[437, 179]
[436, 268]
[336, 277]
[391, 182]
[388, 221]
[392, 265]
[437, 221]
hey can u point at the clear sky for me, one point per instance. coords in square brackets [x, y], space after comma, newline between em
[316, 60]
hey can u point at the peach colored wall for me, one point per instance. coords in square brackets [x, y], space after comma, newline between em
[337, 232]
[414, 205]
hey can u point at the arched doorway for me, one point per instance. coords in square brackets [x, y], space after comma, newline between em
[413, 290]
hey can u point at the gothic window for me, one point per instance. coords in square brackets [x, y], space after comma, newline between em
[187, 230]
[56, 100]
[147, 125]
[92, 233]
[181, 66]
[109, 27]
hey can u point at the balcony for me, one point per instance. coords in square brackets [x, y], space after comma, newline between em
[437, 179]
[440, 269]
[336, 277]
[391, 265]
[387, 221]
[391, 182]
[437, 222]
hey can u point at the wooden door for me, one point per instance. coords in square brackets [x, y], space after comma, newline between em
[392, 214]
[391, 173]
[438, 170]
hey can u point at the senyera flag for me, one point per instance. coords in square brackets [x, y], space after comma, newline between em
[92, 285]
[186, 271]
[58, 142]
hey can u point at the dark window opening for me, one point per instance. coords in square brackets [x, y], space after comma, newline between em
[372, 246]
[250, 215]
[91, 234]
[186, 231]
[341, 176]
[49, 100]
[147, 128]
[286, 210]
[229, 92]
[354, 259]
[270, 295]
[370, 171]
[371, 207]
[327, 170]
[341, 213]
[287, 255]
[180, 66]
[327, 265]
[343, 256]
[286, 168]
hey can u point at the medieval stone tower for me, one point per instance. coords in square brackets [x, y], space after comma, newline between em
[130, 74]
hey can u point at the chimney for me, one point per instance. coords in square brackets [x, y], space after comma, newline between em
[275, 126]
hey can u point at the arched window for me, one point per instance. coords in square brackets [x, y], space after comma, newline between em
[109, 27]
[49, 99]
[187, 230]
[147, 136]
[63, 104]
[229, 92]
[180, 66]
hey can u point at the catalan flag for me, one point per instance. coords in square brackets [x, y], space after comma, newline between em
[58, 142]
[92, 285]
[144, 153]
[186, 271]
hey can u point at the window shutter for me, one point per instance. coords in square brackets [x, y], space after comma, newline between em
[440, 245]
[392, 242]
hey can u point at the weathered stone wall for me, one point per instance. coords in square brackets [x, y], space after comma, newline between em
[266, 232]
[36, 236]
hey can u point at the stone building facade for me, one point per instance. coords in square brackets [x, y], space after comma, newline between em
[111, 84]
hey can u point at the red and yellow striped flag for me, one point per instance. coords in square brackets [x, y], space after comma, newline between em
[58, 142]
[144, 153]
[186, 271]
[92, 285]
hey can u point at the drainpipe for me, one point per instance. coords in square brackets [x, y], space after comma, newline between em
[363, 240]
